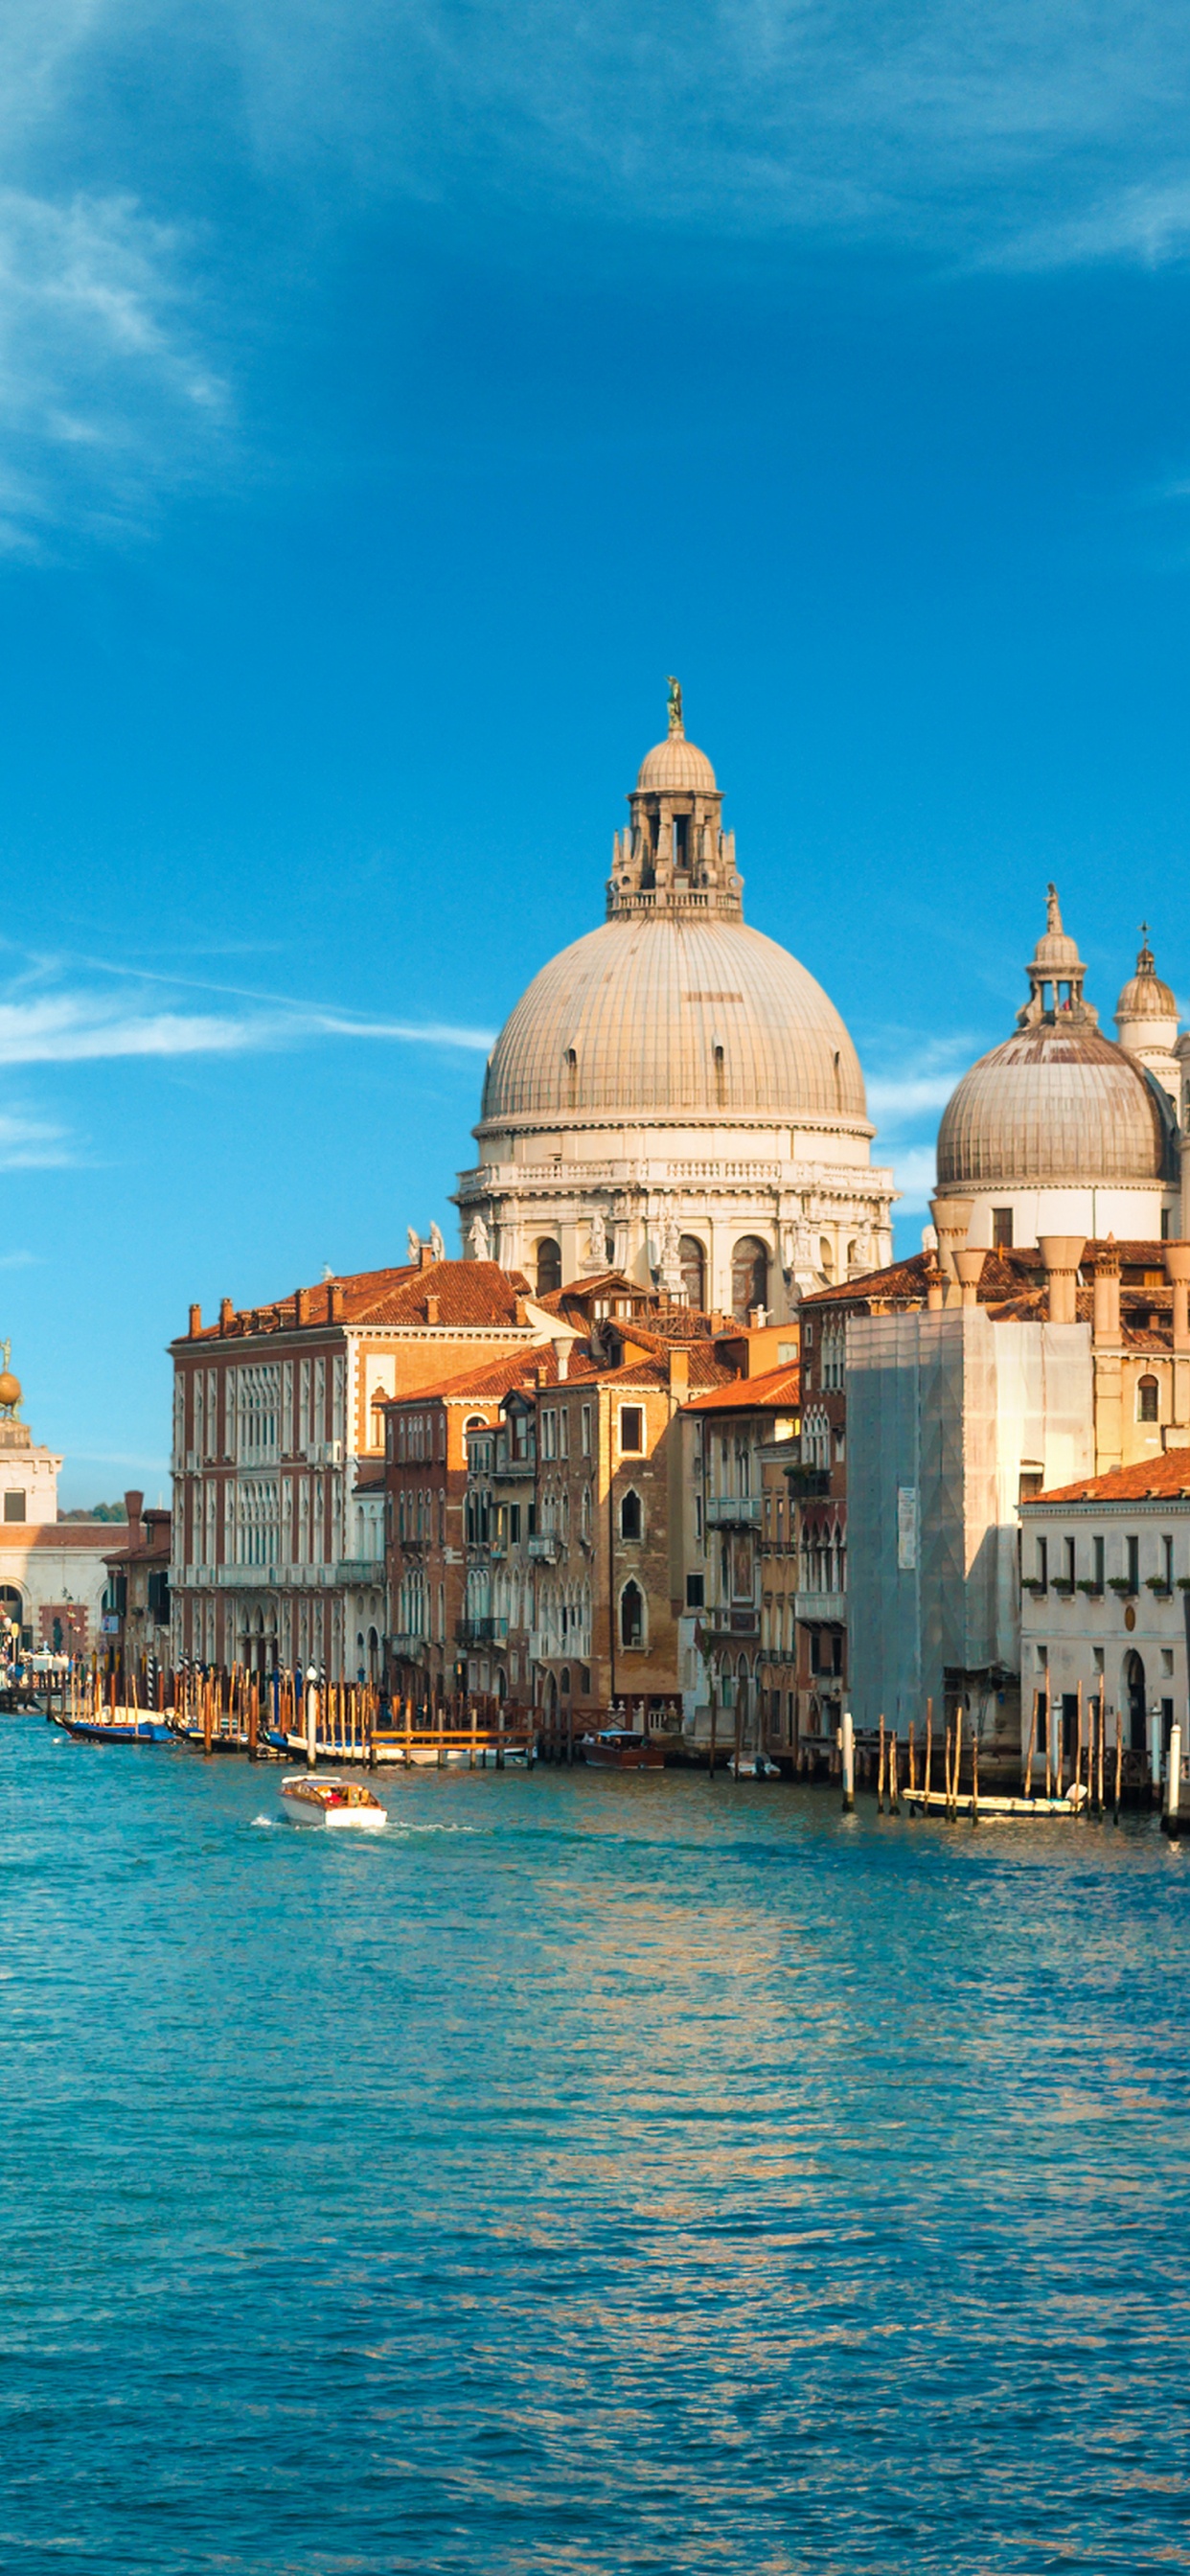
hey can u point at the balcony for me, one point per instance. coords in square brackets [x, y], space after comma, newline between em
[407, 1648]
[720, 1622]
[514, 1470]
[806, 1483]
[360, 1569]
[812, 1607]
[733, 1511]
[546, 1547]
[481, 1632]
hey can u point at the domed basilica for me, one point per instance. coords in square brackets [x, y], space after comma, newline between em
[1060, 1131]
[674, 1096]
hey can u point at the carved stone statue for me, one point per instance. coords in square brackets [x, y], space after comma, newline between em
[413, 1239]
[437, 1246]
[675, 705]
[477, 1236]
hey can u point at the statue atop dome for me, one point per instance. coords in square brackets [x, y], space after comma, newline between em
[676, 725]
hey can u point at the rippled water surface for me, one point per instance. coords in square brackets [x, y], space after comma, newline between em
[592, 2174]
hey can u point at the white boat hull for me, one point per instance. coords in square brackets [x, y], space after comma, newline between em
[312, 1802]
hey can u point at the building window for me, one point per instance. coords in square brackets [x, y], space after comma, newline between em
[1043, 1563]
[1165, 1225]
[692, 1262]
[749, 1276]
[720, 1080]
[564, 1434]
[571, 1080]
[632, 1430]
[1167, 1563]
[585, 1420]
[632, 1616]
[1097, 1563]
[631, 1516]
[1001, 1229]
[1132, 1563]
[14, 1506]
[549, 1268]
[695, 1590]
[1146, 1400]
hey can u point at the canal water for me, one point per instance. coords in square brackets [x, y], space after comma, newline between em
[595, 2174]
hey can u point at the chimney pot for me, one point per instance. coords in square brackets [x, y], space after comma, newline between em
[968, 1263]
[195, 1324]
[226, 1311]
[1061, 1255]
[433, 1310]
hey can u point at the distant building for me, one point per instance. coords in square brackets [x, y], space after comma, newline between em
[278, 1454]
[1105, 1567]
[52, 1571]
[675, 1095]
[1060, 1130]
[136, 1610]
[727, 1626]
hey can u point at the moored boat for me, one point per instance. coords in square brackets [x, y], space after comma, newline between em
[118, 1726]
[321, 1798]
[621, 1748]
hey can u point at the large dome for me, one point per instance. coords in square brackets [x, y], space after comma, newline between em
[673, 1014]
[1052, 1105]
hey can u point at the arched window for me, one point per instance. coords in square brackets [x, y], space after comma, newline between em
[632, 1616]
[631, 1516]
[1147, 1400]
[692, 1262]
[826, 1258]
[749, 1276]
[564, 1681]
[549, 1267]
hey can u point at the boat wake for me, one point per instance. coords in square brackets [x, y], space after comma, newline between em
[272, 1824]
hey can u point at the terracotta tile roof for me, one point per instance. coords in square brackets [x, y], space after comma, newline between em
[1161, 1477]
[79, 1537]
[468, 1293]
[777, 1388]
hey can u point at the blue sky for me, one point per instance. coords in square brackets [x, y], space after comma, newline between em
[390, 395]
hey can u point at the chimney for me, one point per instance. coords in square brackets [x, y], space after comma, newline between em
[1061, 1255]
[969, 1264]
[433, 1310]
[426, 1256]
[195, 1325]
[952, 1217]
[679, 1372]
[541, 1375]
[226, 1311]
[1177, 1271]
[334, 1302]
[520, 1312]
[301, 1306]
[562, 1356]
[134, 1506]
[1106, 1324]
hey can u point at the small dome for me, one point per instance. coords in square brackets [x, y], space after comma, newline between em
[10, 1388]
[1145, 997]
[1053, 1104]
[1056, 953]
[676, 765]
[656, 1013]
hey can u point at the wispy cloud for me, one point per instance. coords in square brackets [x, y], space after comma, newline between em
[31, 1145]
[74, 1026]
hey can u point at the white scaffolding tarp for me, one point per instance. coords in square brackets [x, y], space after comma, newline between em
[944, 1412]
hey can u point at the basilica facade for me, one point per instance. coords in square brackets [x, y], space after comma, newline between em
[675, 1097]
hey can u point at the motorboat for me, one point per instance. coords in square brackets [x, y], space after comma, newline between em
[753, 1766]
[621, 1748]
[321, 1798]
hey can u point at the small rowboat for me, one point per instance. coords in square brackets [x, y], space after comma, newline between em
[935, 1802]
[322, 1799]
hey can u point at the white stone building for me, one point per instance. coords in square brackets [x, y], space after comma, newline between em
[675, 1096]
[53, 1573]
[1105, 1565]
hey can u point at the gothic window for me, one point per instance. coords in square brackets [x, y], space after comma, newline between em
[749, 1276]
[693, 1265]
[1146, 1400]
[632, 1616]
[549, 1268]
[631, 1516]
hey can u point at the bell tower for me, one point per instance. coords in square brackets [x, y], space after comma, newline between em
[675, 855]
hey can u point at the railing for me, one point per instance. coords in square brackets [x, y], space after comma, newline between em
[809, 1606]
[481, 1632]
[517, 1468]
[732, 1623]
[360, 1569]
[733, 1511]
[407, 1648]
[546, 1546]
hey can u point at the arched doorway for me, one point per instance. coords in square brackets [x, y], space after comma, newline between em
[749, 1276]
[692, 1262]
[549, 1267]
[1134, 1687]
